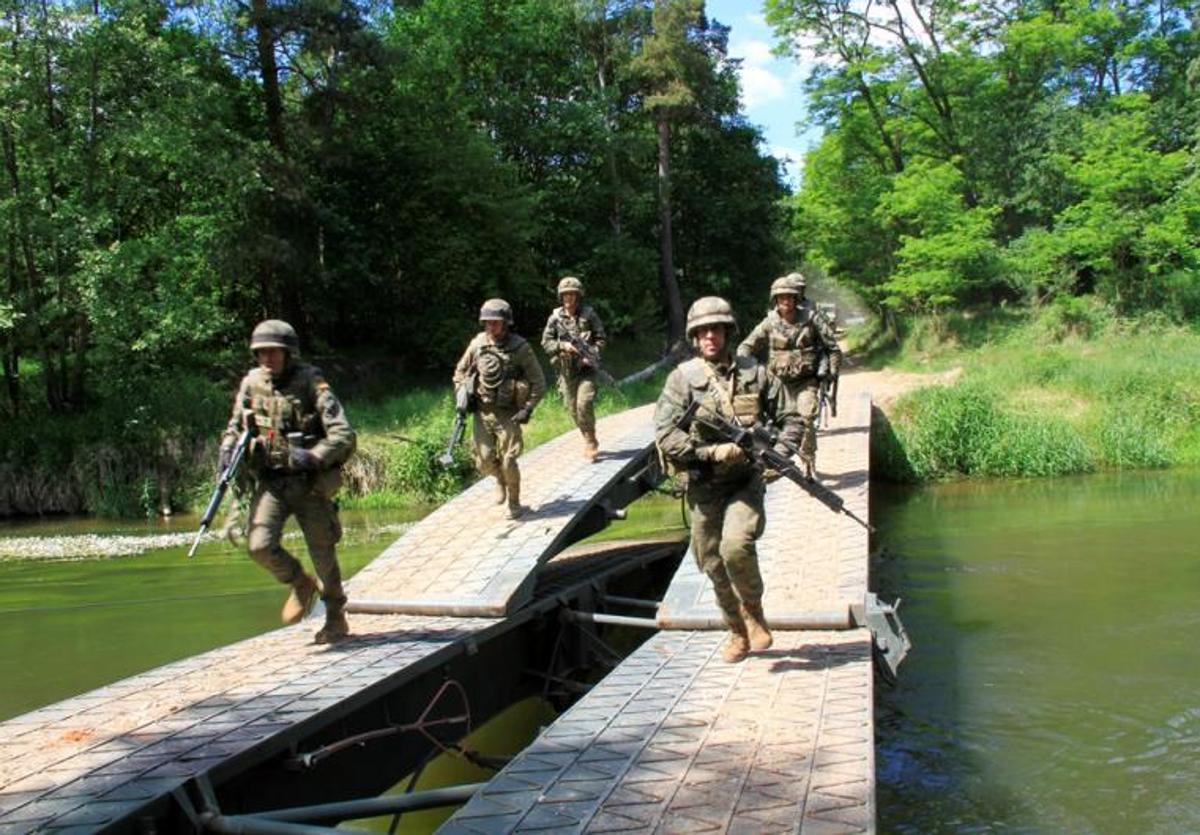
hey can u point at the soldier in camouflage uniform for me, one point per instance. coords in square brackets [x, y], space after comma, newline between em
[296, 457]
[799, 347]
[724, 488]
[508, 387]
[576, 378]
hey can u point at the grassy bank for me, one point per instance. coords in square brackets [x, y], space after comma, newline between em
[1068, 389]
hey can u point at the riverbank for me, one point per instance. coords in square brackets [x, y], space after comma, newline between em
[1068, 390]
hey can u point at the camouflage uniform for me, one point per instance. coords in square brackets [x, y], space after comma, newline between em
[509, 386]
[725, 498]
[794, 352]
[298, 400]
[576, 381]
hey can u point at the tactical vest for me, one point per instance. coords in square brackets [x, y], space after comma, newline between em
[794, 349]
[285, 413]
[501, 383]
[580, 326]
[739, 401]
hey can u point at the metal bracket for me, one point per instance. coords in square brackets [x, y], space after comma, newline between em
[889, 639]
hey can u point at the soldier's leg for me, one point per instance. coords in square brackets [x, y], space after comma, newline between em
[708, 513]
[744, 523]
[510, 443]
[317, 515]
[268, 512]
[568, 386]
[806, 404]
[585, 404]
[483, 450]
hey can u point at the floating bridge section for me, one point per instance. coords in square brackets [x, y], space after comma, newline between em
[672, 740]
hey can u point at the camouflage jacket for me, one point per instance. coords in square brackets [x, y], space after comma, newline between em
[747, 393]
[793, 351]
[299, 401]
[509, 378]
[586, 326]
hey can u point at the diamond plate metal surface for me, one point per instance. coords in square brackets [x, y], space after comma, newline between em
[676, 740]
[813, 561]
[466, 558]
[91, 759]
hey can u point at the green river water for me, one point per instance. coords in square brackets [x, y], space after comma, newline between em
[1054, 685]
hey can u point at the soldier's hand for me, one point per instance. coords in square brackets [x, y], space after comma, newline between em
[728, 453]
[223, 458]
[522, 415]
[303, 459]
[568, 348]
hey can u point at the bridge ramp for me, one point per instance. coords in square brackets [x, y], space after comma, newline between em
[467, 559]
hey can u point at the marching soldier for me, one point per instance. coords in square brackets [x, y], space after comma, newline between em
[303, 439]
[509, 383]
[724, 488]
[798, 345]
[576, 376]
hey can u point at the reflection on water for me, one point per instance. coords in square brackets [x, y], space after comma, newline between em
[71, 626]
[1054, 684]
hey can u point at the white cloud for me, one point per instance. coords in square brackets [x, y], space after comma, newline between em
[760, 86]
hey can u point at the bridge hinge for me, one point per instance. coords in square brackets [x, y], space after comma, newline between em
[889, 639]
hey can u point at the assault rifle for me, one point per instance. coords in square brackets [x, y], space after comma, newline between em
[464, 404]
[758, 442]
[828, 390]
[226, 478]
[590, 356]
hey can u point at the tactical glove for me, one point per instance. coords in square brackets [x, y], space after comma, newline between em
[522, 415]
[303, 459]
[727, 453]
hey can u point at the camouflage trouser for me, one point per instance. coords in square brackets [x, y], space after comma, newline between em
[800, 430]
[275, 498]
[726, 521]
[579, 396]
[497, 443]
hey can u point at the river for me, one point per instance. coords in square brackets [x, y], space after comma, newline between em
[1054, 685]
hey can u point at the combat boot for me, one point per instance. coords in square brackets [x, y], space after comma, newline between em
[499, 492]
[515, 508]
[301, 599]
[591, 447]
[756, 626]
[736, 646]
[335, 629]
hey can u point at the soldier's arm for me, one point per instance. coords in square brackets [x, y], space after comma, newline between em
[599, 337]
[677, 445]
[464, 364]
[234, 428]
[550, 336]
[340, 439]
[754, 344]
[532, 369]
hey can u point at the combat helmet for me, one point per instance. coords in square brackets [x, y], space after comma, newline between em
[496, 310]
[784, 286]
[275, 333]
[570, 284]
[797, 280]
[709, 310]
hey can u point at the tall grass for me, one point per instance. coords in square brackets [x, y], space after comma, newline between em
[1063, 392]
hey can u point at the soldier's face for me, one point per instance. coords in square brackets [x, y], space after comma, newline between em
[711, 339]
[570, 300]
[494, 328]
[786, 304]
[271, 359]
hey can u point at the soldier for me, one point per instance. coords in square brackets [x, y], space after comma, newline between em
[724, 488]
[509, 385]
[576, 377]
[303, 438]
[799, 347]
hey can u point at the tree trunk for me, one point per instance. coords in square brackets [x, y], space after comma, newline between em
[670, 287]
[264, 40]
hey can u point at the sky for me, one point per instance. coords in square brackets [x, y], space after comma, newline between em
[772, 91]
